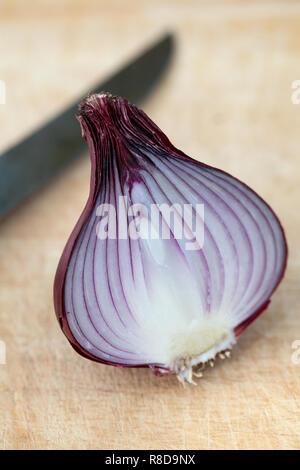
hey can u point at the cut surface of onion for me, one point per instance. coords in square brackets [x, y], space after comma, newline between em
[171, 259]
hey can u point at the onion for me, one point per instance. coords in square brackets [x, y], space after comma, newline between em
[170, 260]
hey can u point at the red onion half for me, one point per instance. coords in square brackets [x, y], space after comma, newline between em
[171, 259]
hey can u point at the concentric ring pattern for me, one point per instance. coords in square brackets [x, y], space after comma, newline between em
[113, 286]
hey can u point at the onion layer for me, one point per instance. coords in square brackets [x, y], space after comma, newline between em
[171, 259]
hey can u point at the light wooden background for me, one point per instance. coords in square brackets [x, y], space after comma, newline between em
[226, 100]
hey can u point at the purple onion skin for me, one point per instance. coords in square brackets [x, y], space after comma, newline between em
[101, 116]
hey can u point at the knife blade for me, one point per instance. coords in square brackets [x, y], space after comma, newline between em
[30, 164]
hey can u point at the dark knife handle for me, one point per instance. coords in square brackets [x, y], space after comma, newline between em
[26, 167]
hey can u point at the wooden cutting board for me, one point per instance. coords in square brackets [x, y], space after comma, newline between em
[227, 101]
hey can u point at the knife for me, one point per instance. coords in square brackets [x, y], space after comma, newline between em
[28, 166]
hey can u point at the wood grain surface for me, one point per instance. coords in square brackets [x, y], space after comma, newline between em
[227, 101]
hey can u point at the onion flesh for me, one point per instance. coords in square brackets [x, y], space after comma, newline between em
[138, 299]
